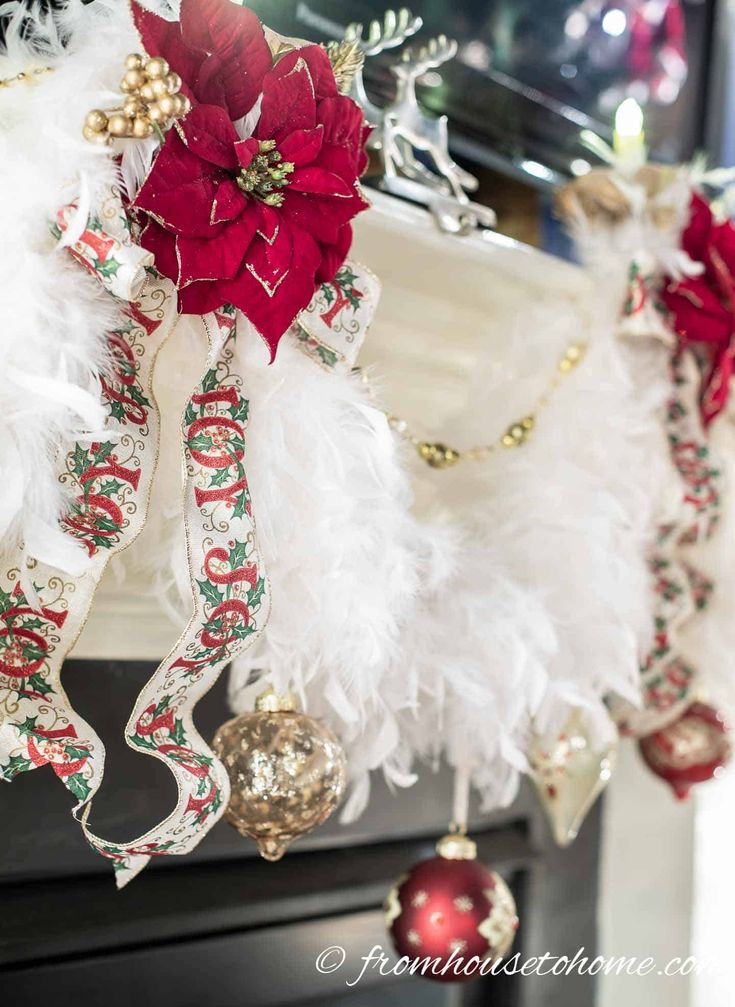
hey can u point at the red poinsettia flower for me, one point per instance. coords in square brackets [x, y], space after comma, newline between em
[702, 307]
[249, 199]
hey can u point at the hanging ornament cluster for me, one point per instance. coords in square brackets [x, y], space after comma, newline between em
[453, 910]
[153, 100]
[693, 749]
[287, 772]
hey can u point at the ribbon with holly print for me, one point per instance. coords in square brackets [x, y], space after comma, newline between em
[668, 678]
[110, 481]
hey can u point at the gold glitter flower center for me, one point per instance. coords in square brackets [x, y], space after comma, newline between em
[265, 175]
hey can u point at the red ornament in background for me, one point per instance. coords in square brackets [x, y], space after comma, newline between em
[690, 750]
[453, 910]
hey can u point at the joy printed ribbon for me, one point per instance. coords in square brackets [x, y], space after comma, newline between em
[333, 327]
[680, 590]
[110, 482]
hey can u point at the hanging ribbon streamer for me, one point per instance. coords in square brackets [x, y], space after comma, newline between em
[668, 679]
[111, 482]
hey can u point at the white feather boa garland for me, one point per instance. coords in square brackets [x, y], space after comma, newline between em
[53, 319]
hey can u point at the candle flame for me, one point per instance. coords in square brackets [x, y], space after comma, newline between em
[629, 118]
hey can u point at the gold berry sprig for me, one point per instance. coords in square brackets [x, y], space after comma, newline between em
[153, 99]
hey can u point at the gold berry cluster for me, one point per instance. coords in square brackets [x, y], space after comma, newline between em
[153, 100]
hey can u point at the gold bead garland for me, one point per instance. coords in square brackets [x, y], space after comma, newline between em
[440, 456]
[153, 99]
[26, 76]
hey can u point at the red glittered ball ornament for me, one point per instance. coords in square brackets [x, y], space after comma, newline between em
[692, 749]
[453, 910]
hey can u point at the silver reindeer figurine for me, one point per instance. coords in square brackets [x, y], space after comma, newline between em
[396, 27]
[407, 128]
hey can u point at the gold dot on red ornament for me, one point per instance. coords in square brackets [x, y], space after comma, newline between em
[420, 899]
[413, 938]
[463, 904]
[437, 919]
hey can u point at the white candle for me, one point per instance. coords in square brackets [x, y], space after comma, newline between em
[629, 140]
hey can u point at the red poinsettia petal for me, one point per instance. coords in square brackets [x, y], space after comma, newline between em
[271, 260]
[343, 122]
[239, 54]
[320, 182]
[180, 189]
[302, 146]
[716, 386]
[201, 259]
[269, 221]
[229, 202]
[320, 69]
[208, 132]
[199, 298]
[696, 236]
[697, 313]
[722, 260]
[316, 215]
[289, 102]
[245, 151]
[273, 313]
[333, 256]
[162, 245]
[163, 38]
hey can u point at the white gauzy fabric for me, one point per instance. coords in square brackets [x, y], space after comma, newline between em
[53, 318]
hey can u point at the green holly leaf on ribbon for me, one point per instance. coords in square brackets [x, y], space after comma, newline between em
[110, 488]
[177, 735]
[78, 786]
[37, 683]
[237, 555]
[107, 268]
[28, 726]
[240, 411]
[79, 460]
[220, 478]
[210, 380]
[255, 594]
[16, 764]
[200, 442]
[103, 452]
[33, 623]
[210, 592]
[240, 508]
[117, 409]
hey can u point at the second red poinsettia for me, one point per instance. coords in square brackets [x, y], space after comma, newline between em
[702, 307]
[250, 198]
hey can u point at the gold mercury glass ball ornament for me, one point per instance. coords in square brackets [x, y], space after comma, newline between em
[287, 772]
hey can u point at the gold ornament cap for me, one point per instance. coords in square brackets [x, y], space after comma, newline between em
[457, 846]
[271, 701]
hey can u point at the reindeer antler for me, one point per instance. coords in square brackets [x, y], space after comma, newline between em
[436, 51]
[394, 30]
